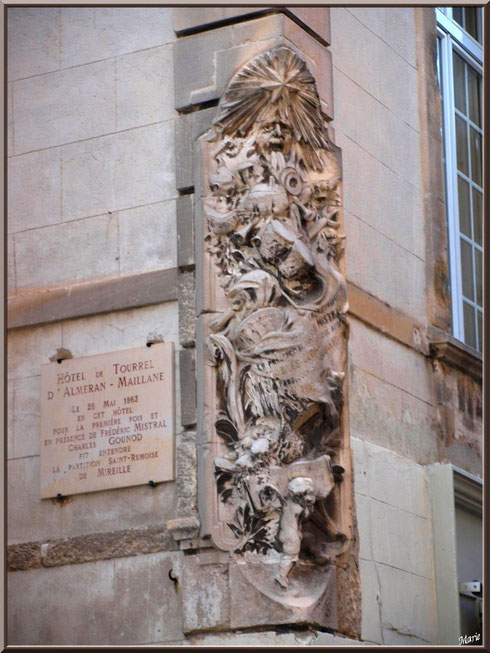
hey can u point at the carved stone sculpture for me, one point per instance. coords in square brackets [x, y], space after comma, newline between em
[276, 341]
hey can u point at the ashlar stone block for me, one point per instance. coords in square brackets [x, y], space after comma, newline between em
[141, 171]
[34, 190]
[33, 41]
[144, 87]
[50, 256]
[46, 115]
[147, 236]
[205, 595]
[112, 31]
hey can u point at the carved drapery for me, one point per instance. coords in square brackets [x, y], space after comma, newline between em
[275, 338]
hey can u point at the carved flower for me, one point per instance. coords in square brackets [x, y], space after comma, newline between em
[291, 181]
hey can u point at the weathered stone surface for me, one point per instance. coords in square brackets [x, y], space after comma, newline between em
[144, 87]
[33, 41]
[156, 614]
[186, 473]
[205, 595]
[132, 508]
[371, 600]
[411, 612]
[91, 298]
[112, 31]
[187, 362]
[49, 256]
[34, 190]
[90, 187]
[64, 605]
[147, 237]
[316, 607]
[26, 555]
[185, 231]
[45, 115]
[307, 637]
[187, 310]
[88, 548]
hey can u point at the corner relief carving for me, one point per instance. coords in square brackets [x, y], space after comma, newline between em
[273, 297]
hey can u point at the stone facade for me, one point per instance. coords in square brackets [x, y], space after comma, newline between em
[106, 107]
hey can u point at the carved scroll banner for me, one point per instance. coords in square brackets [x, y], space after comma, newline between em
[273, 305]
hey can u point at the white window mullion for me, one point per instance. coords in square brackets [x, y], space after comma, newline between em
[452, 188]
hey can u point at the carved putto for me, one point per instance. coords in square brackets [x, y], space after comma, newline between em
[271, 209]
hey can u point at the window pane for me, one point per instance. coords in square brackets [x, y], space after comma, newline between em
[464, 207]
[480, 334]
[461, 146]
[458, 15]
[471, 21]
[467, 269]
[477, 216]
[475, 140]
[474, 103]
[459, 84]
[469, 325]
[478, 277]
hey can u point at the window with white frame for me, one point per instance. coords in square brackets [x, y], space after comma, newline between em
[459, 49]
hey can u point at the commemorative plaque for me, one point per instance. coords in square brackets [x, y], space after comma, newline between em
[107, 421]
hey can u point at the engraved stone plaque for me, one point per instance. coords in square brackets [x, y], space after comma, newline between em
[107, 421]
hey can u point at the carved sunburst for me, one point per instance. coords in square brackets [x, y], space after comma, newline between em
[276, 81]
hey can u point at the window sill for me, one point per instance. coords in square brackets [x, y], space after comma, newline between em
[458, 355]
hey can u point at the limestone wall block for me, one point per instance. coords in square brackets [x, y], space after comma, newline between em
[121, 330]
[146, 601]
[45, 114]
[411, 611]
[141, 171]
[147, 237]
[205, 595]
[360, 466]
[394, 25]
[371, 600]
[144, 87]
[374, 66]
[393, 274]
[25, 417]
[112, 31]
[64, 253]
[62, 605]
[396, 480]
[34, 190]
[29, 348]
[33, 41]
[395, 214]
[380, 132]
[10, 119]
[28, 518]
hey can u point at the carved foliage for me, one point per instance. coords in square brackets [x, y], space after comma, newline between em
[271, 209]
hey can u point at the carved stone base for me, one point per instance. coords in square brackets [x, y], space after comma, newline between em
[257, 599]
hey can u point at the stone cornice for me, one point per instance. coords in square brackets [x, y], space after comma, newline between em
[457, 354]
